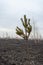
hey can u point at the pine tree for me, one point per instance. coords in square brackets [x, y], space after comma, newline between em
[27, 27]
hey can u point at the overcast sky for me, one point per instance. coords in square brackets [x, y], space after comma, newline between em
[12, 10]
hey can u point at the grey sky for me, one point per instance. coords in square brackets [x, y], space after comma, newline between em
[12, 10]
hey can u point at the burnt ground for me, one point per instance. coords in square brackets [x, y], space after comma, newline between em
[21, 52]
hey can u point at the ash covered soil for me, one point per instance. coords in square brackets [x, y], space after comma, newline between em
[19, 52]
